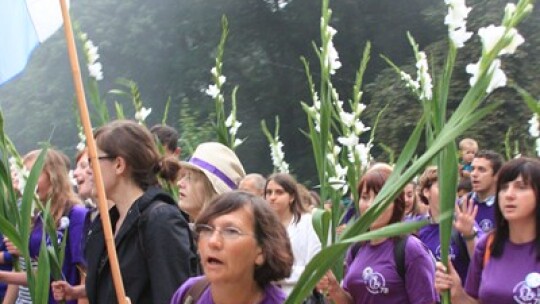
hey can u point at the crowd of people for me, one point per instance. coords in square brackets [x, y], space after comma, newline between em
[237, 238]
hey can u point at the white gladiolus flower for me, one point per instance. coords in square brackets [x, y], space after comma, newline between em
[229, 121]
[423, 77]
[498, 80]
[360, 128]
[363, 153]
[142, 114]
[237, 142]
[332, 59]
[347, 118]
[64, 222]
[278, 157]
[341, 171]
[221, 79]
[234, 127]
[460, 36]
[349, 141]
[214, 72]
[409, 82]
[537, 142]
[212, 91]
[457, 23]
[492, 34]
[509, 9]
[95, 71]
[534, 126]
[359, 109]
[457, 13]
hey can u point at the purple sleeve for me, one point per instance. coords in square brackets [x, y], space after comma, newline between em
[420, 273]
[474, 275]
[348, 259]
[76, 225]
[181, 292]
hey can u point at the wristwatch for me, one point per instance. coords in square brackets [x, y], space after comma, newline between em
[472, 236]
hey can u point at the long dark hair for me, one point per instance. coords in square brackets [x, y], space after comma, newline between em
[529, 170]
[289, 184]
[136, 145]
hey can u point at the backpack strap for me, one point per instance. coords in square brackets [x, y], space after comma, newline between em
[487, 252]
[399, 255]
[460, 242]
[195, 292]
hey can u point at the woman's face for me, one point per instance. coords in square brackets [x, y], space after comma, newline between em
[190, 188]
[109, 173]
[279, 199]
[228, 248]
[367, 197]
[43, 184]
[83, 176]
[409, 197]
[517, 201]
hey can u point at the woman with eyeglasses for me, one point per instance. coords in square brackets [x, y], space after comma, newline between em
[243, 249]
[151, 234]
[505, 267]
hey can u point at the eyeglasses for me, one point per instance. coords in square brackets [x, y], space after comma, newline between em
[203, 231]
[100, 158]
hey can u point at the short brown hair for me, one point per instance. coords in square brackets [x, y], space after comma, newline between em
[374, 179]
[269, 232]
[426, 180]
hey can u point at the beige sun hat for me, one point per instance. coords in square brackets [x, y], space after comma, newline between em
[219, 164]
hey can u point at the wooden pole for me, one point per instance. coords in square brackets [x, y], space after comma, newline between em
[92, 153]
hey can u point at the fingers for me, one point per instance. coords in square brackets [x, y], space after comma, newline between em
[58, 290]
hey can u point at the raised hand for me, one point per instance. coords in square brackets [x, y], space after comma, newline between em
[465, 215]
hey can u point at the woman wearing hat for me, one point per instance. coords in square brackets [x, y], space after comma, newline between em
[213, 169]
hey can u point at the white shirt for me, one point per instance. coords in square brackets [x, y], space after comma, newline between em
[305, 244]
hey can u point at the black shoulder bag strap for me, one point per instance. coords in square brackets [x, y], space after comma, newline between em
[399, 255]
[195, 292]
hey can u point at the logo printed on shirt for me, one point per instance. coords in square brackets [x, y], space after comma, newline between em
[451, 253]
[524, 294]
[486, 225]
[375, 282]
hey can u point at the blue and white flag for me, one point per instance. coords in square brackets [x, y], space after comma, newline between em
[24, 24]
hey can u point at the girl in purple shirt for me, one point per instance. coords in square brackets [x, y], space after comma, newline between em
[505, 267]
[68, 213]
[371, 274]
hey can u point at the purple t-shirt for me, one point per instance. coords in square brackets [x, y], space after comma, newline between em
[429, 235]
[272, 294]
[372, 276]
[73, 255]
[511, 278]
[485, 218]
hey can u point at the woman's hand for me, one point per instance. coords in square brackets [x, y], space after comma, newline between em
[447, 281]
[62, 290]
[328, 285]
[465, 217]
[12, 249]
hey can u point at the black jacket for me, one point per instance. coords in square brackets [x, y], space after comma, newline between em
[154, 247]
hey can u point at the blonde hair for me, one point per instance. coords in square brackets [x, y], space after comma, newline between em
[61, 193]
[468, 143]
